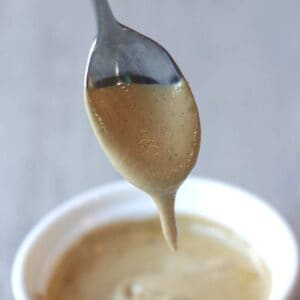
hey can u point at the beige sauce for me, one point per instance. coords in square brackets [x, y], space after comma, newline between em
[151, 134]
[130, 261]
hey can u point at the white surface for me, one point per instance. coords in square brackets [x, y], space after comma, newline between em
[241, 57]
[219, 202]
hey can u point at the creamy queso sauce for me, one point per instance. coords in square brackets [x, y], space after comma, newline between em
[130, 261]
[151, 133]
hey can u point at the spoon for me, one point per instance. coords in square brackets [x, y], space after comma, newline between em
[142, 111]
[122, 55]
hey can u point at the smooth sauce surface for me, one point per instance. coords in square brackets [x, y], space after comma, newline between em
[151, 134]
[130, 261]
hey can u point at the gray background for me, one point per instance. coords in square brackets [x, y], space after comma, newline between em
[241, 57]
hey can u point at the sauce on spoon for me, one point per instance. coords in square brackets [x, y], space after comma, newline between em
[151, 134]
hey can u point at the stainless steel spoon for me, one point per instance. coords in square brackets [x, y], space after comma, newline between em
[122, 55]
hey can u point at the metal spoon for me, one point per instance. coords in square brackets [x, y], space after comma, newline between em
[122, 55]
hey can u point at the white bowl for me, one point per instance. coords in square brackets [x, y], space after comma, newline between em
[240, 211]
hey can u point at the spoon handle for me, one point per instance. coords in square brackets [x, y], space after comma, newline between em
[106, 21]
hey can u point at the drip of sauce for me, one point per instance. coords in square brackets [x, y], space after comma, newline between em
[130, 261]
[151, 134]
